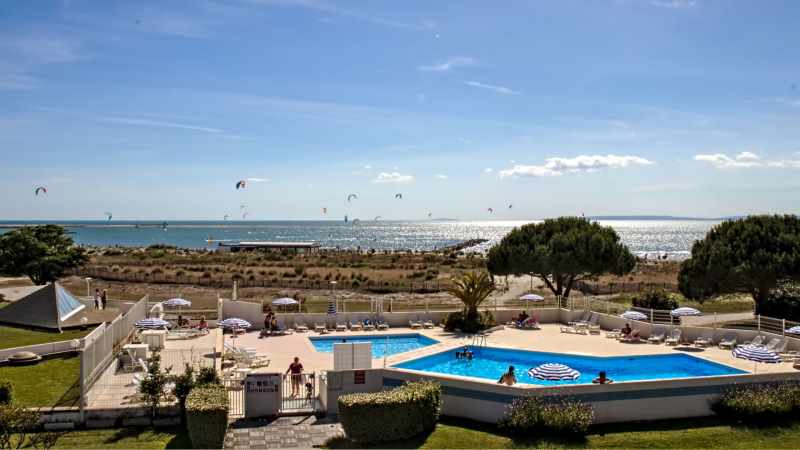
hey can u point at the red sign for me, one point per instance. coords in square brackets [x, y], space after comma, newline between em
[359, 377]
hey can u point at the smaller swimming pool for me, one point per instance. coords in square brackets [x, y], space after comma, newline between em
[382, 345]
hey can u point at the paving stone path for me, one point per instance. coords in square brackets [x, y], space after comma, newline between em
[283, 432]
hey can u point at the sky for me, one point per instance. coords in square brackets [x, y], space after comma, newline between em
[155, 109]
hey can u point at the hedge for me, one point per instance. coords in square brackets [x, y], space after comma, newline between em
[6, 392]
[763, 403]
[207, 416]
[533, 416]
[401, 413]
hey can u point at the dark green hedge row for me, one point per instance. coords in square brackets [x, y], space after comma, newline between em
[532, 416]
[759, 403]
[207, 415]
[385, 416]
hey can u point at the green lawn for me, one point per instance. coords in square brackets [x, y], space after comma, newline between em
[125, 438]
[51, 382]
[18, 337]
[694, 433]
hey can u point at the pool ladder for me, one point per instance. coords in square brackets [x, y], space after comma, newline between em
[479, 340]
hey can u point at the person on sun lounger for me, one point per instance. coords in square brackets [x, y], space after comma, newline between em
[508, 378]
[523, 316]
[203, 325]
[627, 330]
[602, 378]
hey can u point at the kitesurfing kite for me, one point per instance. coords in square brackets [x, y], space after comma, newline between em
[510, 206]
[491, 211]
[429, 215]
[377, 218]
[109, 216]
[241, 184]
[356, 221]
[398, 196]
[324, 210]
[352, 196]
[244, 215]
[225, 217]
[40, 189]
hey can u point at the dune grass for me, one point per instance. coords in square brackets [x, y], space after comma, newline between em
[11, 337]
[684, 433]
[51, 382]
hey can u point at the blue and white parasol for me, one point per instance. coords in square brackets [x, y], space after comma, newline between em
[633, 315]
[176, 303]
[331, 308]
[794, 330]
[532, 298]
[152, 324]
[756, 353]
[554, 371]
[685, 311]
[235, 323]
[284, 301]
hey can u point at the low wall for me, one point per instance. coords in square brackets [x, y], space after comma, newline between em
[621, 402]
[60, 418]
[39, 349]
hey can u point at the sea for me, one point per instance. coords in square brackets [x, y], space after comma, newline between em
[657, 238]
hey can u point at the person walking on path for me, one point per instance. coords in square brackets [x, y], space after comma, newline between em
[97, 299]
[104, 298]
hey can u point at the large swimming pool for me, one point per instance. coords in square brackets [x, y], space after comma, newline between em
[382, 345]
[490, 363]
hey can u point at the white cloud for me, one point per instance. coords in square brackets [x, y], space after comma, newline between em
[744, 160]
[367, 166]
[583, 163]
[158, 124]
[440, 176]
[488, 170]
[452, 63]
[393, 177]
[490, 87]
[674, 4]
[258, 180]
[326, 8]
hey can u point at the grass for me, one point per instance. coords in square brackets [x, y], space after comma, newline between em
[11, 337]
[684, 433]
[51, 382]
[125, 438]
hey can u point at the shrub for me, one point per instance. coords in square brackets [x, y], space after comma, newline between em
[17, 425]
[207, 416]
[655, 299]
[207, 375]
[456, 321]
[6, 392]
[184, 384]
[391, 415]
[559, 415]
[783, 301]
[759, 403]
[299, 269]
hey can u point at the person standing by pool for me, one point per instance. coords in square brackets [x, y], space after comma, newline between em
[104, 298]
[97, 299]
[296, 370]
[602, 378]
[508, 378]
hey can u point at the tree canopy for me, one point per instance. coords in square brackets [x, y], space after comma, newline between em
[746, 255]
[43, 253]
[560, 252]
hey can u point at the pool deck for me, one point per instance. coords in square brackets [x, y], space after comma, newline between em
[282, 349]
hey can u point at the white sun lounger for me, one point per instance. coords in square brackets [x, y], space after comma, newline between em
[727, 342]
[355, 326]
[300, 326]
[657, 337]
[705, 340]
[414, 325]
[428, 324]
[341, 326]
[674, 337]
[758, 340]
[319, 327]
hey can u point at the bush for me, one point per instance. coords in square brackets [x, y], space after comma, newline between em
[783, 301]
[207, 375]
[391, 415]
[456, 321]
[655, 299]
[759, 403]
[6, 392]
[532, 416]
[207, 416]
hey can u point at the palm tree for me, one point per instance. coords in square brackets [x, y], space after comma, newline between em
[472, 288]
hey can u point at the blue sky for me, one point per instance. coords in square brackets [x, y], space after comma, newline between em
[156, 109]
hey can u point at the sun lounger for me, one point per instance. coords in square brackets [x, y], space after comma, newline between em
[381, 325]
[674, 337]
[530, 324]
[567, 329]
[728, 342]
[414, 325]
[319, 327]
[583, 320]
[341, 326]
[594, 324]
[616, 333]
[758, 340]
[705, 340]
[428, 324]
[355, 326]
[300, 326]
[633, 337]
[657, 337]
[368, 325]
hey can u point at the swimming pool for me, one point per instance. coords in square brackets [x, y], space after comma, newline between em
[382, 345]
[490, 363]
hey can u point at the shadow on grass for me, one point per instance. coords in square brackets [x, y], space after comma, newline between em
[71, 396]
[179, 439]
[414, 442]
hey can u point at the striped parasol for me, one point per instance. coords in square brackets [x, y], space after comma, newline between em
[235, 323]
[176, 303]
[633, 315]
[152, 324]
[794, 330]
[756, 353]
[554, 371]
[331, 308]
[685, 311]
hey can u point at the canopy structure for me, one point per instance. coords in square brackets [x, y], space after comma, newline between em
[52, 307]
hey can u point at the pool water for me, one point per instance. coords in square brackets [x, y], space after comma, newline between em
[490, 363]
[385, 345]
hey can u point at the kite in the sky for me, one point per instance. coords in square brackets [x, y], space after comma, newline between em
[356, 221]
[398, 196]
[244, 215]
[377, 218]
[225, 217]
[352, 196]
[241, 184]
[491, 211]
[40, 189]
[324, 210]
[510, 206]
[429, 215]
[109, 216]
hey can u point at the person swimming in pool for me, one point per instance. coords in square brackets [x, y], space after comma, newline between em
[602, 378]
[465, 353]
[508, 378]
